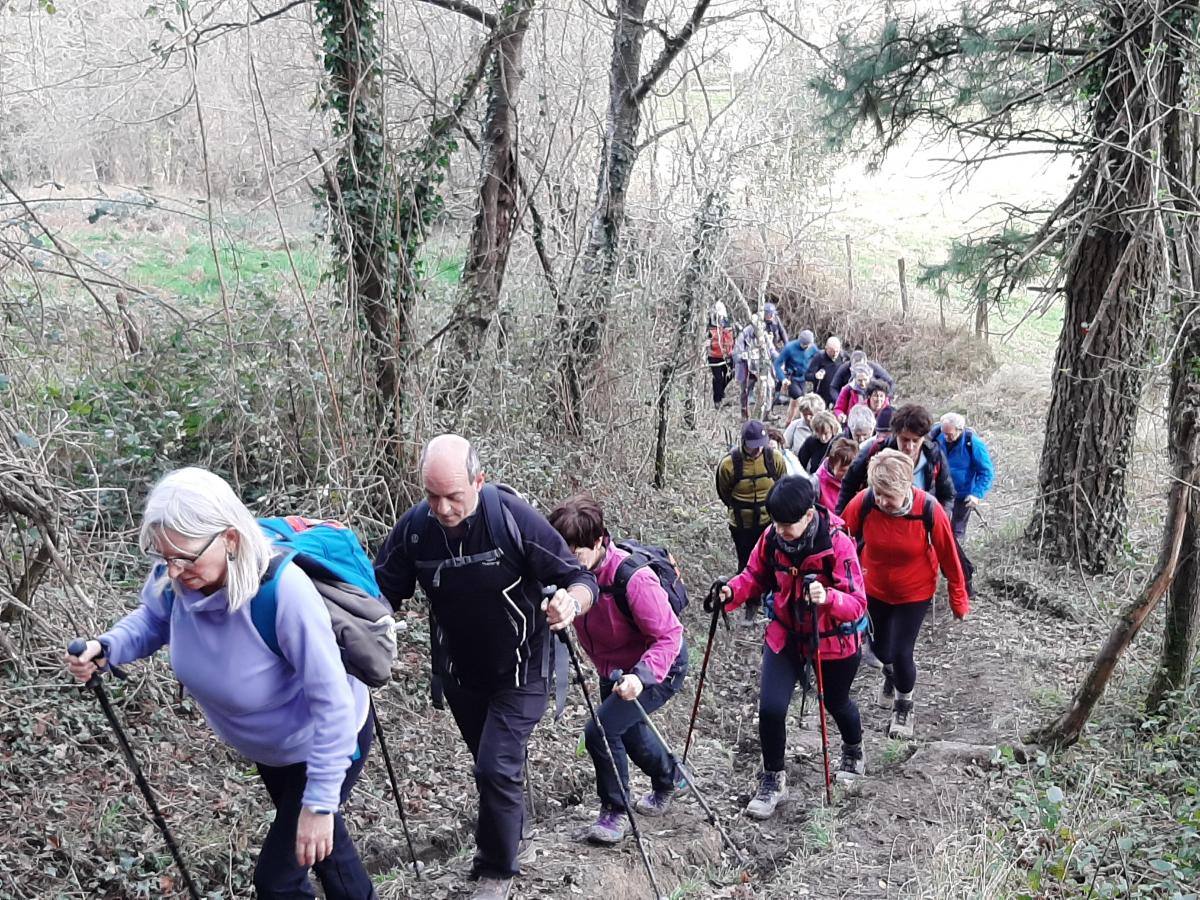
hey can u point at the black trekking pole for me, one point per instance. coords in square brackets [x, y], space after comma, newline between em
[816, 631]
[718, 610]
[688, 777]
[587, 696]
[78, 646]
[387, 761]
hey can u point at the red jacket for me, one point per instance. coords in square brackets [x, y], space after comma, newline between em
[900, 562]
[836, 567]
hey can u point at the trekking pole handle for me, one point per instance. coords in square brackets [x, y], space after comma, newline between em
[78, 646]
[808, 580]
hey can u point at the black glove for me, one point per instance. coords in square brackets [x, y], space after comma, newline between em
[713, 600]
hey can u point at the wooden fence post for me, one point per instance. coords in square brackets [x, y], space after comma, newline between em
[849, 272]
[903, 290]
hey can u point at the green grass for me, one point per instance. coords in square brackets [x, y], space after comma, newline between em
[191, 271]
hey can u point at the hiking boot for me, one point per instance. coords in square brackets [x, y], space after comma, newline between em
[887, 690]
[901, 726]
[492, 889]
[869, 658]
[751, 615]
[609, 827]
[656, 803]
[852, 763]
[772, 791]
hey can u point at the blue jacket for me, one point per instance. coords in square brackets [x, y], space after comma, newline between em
[970, 462]
[792, 361]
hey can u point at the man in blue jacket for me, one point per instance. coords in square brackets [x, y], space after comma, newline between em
[970, 467]
[791, 367]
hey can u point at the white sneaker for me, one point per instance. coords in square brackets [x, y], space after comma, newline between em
[772, 791]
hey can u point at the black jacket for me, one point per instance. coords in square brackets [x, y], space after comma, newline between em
[490, 629]
[824, 386]
[856, 476]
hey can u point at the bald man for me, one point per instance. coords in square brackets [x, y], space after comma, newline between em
[481, 555]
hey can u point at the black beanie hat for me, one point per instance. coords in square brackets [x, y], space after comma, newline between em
[790, 498]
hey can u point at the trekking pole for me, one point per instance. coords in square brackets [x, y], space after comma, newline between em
[687, 776]
[718, 610]
[587, 696]
[387, 761]
[982, 520]
[78, 646]
[808, 580]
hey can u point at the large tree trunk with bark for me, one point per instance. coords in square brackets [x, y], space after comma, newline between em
[495, 220]
[362, 193]
[1099, 367]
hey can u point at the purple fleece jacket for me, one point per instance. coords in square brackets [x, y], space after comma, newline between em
[302, 707]
[645, 649]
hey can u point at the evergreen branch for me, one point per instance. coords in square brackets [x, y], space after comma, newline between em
[1096, 57]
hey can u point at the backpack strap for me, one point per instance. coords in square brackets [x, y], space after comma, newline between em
[620, 586]
[738, 464]
[265, 604]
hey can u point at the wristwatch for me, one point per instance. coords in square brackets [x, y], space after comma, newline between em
[578, 606]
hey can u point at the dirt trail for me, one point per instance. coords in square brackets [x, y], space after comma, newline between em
[884, 834]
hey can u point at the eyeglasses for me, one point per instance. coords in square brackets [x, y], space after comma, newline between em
[184, 562]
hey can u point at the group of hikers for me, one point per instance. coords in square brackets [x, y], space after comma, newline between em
[840, 530]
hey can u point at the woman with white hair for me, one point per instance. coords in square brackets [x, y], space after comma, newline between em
[860, 426]
[904, 536]
[296, 714]
[970, 467]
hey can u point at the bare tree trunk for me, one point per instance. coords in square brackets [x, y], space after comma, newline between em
[491, 238]
[1181, 632]
[627, 88]
[362, 192]
[708, 221]
[1065, 730]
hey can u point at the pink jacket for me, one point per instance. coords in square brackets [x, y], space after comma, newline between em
[848, 397]
[645, 647]
[829, 486]
[836, 567]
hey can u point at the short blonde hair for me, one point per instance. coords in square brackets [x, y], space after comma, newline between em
[891, 472]
[811, 403]
[825, 421]
[197, 504]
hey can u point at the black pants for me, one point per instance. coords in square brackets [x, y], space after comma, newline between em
[721, 375]
[780, 672]
[278, 876]
[896, 628]
[629, 737]
[959, 518]
[744, 540]
[496, 726]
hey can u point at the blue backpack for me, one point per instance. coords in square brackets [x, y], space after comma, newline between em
[331, 556]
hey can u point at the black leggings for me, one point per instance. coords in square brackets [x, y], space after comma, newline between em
[722, 374]
[896, 628]
[780, 672]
